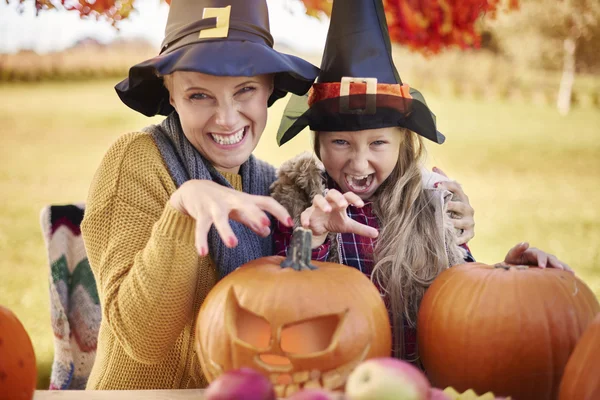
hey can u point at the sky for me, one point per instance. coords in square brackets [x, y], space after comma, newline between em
[55, 30]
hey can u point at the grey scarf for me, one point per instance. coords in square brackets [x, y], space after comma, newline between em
[185, 162]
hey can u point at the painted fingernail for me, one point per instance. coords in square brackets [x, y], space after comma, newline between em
[265, 221]
[232, 241]
[290, 221]
[202, 251]
[435, 185]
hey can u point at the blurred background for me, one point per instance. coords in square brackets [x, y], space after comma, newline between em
[516, 91]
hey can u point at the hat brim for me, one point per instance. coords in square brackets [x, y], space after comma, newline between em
[144, 90]
[330, 115]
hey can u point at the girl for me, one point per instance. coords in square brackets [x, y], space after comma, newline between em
[371, 204]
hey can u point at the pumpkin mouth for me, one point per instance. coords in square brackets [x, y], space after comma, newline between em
[286, 384]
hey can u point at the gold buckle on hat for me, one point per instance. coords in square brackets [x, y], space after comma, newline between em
[371, 104]
[222, 29]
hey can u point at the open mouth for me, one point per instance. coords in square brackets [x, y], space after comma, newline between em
[287, 384]
[359, 184]
[229, 139]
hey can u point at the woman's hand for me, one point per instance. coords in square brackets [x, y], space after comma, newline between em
[522, 254]
[210, 203]
[328, 214]
[460, 209]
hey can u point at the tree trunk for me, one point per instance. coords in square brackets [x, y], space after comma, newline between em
[568, 76]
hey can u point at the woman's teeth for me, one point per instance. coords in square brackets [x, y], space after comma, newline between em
[359, 183]
[229, 139]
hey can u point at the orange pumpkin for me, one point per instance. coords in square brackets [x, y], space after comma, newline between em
[508, 330]
[301, 325]
[581, 380]
[18, 371]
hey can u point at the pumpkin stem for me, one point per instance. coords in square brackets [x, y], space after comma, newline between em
[300, 251]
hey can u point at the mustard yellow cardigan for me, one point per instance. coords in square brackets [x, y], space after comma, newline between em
[150, 279]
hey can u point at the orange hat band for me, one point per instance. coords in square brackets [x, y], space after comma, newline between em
[329, 90]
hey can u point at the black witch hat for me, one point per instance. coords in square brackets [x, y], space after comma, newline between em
[358, 87]
[215, 37]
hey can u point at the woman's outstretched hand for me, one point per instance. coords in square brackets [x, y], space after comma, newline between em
[212, 204]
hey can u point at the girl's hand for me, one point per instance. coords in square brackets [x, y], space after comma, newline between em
[522, 254]
[460, 209]
[328, 214]
[210, 203]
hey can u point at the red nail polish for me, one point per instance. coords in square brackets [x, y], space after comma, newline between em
[290, 221]
[265, 221]
[202, 251]
[435, 185]
[232, 241]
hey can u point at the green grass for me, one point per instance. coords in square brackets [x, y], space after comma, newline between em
[530, 175]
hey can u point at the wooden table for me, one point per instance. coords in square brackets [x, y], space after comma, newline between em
[183, 394]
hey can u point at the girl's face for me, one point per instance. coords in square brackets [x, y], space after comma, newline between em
[223, 117]
[360, 161]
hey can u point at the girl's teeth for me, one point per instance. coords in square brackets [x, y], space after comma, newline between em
[359, 182]
[229, 139]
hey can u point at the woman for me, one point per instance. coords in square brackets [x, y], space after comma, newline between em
[149, 216]
[157, 192]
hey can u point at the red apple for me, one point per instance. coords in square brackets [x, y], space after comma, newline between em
[387, 379]
[243, 383]
[316, 394]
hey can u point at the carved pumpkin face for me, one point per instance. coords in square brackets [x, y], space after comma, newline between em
[301, 328]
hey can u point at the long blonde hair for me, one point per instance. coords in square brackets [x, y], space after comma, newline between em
[410, 251]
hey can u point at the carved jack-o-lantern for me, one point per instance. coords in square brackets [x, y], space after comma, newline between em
[299, 324]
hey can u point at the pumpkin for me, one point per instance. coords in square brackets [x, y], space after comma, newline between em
[302, 325]
[18, 371]
[505, 329]
[581, 379]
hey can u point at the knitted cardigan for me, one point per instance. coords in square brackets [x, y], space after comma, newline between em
[150, 279]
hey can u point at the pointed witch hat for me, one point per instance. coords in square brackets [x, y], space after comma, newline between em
[214, 37]
[358, 87]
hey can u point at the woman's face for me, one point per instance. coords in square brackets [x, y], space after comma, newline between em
[360, 161]
[223, 117]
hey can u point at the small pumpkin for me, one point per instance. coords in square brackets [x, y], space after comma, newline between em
[505, 329]
[581, 379]
[18, 370]
[302, 325]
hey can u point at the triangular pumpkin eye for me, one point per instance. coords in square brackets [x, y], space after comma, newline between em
[309, 336]
[249, 327]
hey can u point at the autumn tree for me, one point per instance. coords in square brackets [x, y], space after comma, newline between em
[430, 26]
[549, 33]
[422, 25]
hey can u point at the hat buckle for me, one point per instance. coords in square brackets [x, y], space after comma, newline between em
[221, 30]
[370, 94]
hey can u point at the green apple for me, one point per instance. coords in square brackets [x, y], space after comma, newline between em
[387, 379]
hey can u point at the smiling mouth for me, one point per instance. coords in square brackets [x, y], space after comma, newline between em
[229, 139]
[359, 184]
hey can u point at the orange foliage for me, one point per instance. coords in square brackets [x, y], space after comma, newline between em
[430, 25]
[423, 25]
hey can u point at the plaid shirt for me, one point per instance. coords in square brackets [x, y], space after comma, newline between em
[355, 251]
